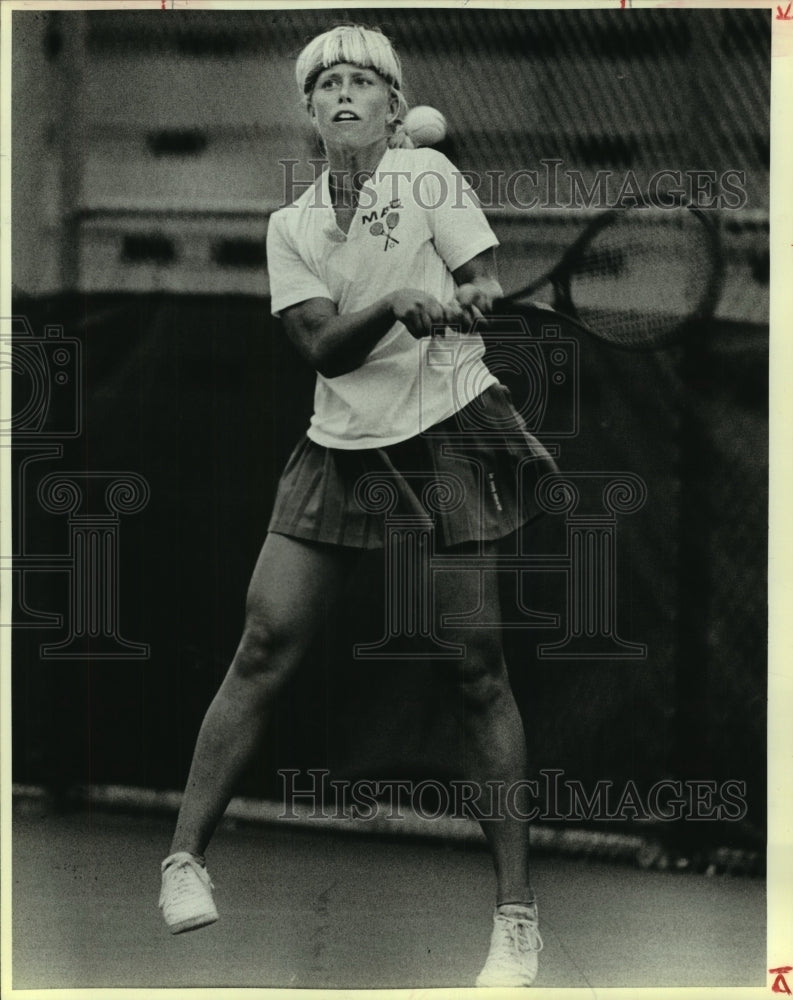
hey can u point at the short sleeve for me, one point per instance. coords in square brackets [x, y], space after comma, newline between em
[459, 228]
[291, 278]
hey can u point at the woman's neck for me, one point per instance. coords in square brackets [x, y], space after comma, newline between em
[349, 169]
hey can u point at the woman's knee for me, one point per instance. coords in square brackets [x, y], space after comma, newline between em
[267, 650]
[481, 678]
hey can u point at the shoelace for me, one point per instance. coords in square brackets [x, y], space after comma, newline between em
[527, 937]
[181, 877]
[186, 864]
[519, 936]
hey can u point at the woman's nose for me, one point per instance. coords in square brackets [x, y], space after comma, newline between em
[344, 91]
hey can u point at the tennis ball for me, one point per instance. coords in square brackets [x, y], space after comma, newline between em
[426, 126]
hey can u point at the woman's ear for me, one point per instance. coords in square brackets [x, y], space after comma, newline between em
[393, 107]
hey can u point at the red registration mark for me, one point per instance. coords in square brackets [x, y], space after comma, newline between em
[780, 985]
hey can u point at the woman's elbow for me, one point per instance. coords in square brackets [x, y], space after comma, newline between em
[334, 370]
[328, 354]
[329, 363]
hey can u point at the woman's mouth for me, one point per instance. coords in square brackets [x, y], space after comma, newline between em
[346, 116]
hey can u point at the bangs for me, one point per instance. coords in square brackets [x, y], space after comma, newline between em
[364, 47]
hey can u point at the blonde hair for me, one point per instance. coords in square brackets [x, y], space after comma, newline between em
[368, 48]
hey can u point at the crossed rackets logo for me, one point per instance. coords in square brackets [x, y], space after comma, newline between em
[378, 229]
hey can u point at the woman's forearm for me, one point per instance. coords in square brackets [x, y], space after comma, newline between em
[342, 343]
[337, 344]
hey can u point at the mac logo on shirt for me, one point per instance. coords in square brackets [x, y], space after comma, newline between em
[391, 218]
[378, 229]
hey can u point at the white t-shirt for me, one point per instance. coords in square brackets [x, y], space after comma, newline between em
[416, 222]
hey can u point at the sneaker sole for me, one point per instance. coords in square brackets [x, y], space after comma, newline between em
[193, 923]
[514, 984]
[519, 982]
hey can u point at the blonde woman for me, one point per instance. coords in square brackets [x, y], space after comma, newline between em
[385, 250]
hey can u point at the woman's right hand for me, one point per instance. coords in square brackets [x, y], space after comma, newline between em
[422, 313]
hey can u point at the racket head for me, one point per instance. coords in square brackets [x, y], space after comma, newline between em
[643, 279]
[392, 220]
[377, 229]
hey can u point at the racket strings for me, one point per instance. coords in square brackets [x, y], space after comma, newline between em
[640, 281]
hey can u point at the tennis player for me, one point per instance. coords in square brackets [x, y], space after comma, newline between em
[379, 255]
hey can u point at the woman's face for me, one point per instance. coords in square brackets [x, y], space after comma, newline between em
[352, 106]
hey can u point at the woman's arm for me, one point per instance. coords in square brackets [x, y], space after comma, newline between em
[335, 345]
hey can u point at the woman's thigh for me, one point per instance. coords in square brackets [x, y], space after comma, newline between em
[456, 592]
[294, 585]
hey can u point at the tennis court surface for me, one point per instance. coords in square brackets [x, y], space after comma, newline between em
[309, 909]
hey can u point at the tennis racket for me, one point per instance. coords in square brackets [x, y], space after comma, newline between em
[638, 279]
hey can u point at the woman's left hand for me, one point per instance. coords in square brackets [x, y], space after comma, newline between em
[476, 298]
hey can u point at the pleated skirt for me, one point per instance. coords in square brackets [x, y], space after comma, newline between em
[470, 477]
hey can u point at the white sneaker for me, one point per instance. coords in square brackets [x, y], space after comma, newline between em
[186, 894]
[514, 946]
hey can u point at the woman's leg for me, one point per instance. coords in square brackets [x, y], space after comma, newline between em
[493, 741]
[293, 584]
[494, 750]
